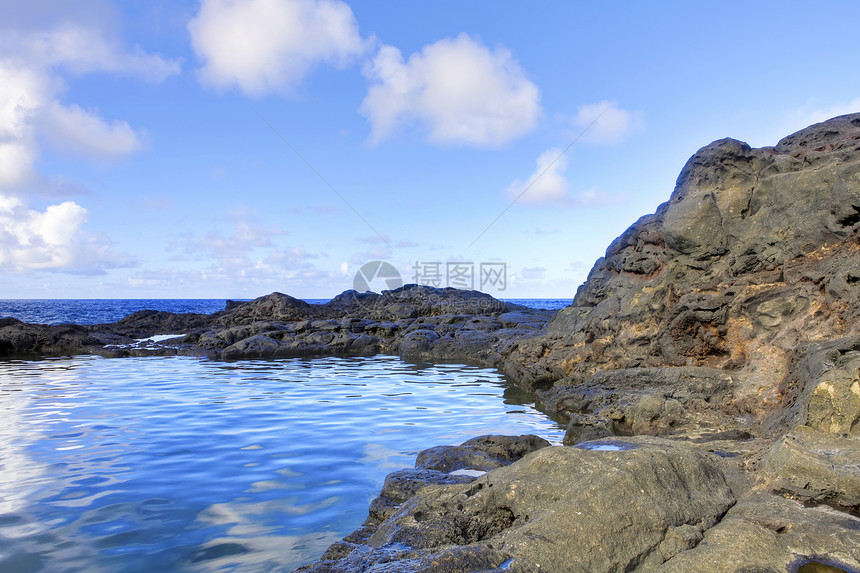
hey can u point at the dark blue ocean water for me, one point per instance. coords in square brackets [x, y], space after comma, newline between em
[186, 464]
[99, 311]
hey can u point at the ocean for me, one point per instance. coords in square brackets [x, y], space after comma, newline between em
[99, 311]
[189, 464]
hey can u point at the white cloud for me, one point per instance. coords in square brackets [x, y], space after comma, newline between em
[51, 240]
[16, 162]
[806, 117]
[83, 49]
[456, 90]
[234, 251]
[21, 97]
[76, 131]
[35, 59]
[269, 46]
[41, 46]
[290, 256]
[606, 123]
[548, 185]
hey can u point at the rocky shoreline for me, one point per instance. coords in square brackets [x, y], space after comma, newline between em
[412, 321]
[709, 369]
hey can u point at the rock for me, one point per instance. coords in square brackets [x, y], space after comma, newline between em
[752, 256]
[647, 401]
[815, 467]
[402, 485]
[145, 323]
[521, 320]
[551, 511]
[728, 320]
[274, 307]
[417, 321]
[481, 453]
[725, 319]
[768, 533]
[257, 346]
[442, 465]
[822, 389]
[22, 340]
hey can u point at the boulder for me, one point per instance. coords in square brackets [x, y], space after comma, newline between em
[604, 507]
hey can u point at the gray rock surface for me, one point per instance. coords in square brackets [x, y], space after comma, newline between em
[548, 512]
[21, 340]
[751, 257]
[817, 467]
[770, 534]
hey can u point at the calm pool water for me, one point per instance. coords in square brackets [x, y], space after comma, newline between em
[185, 464]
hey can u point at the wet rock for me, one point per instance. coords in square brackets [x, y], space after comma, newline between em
[418, 341]
[402, 485]
[257, 346]
[442, 465]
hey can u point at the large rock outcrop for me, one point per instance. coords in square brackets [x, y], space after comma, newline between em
[752, 263]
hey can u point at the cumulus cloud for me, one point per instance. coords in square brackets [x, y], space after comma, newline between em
[41, 47]
[606, 123]
[51, 240]
[548, 185]
[270, 46]
[457, 91]
[36, 57]
[20, 99]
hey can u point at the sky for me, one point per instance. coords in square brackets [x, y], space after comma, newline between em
[233, 148]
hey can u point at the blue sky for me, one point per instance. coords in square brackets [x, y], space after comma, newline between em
[231, 148]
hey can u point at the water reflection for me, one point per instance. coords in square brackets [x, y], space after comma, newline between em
[172, 463]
